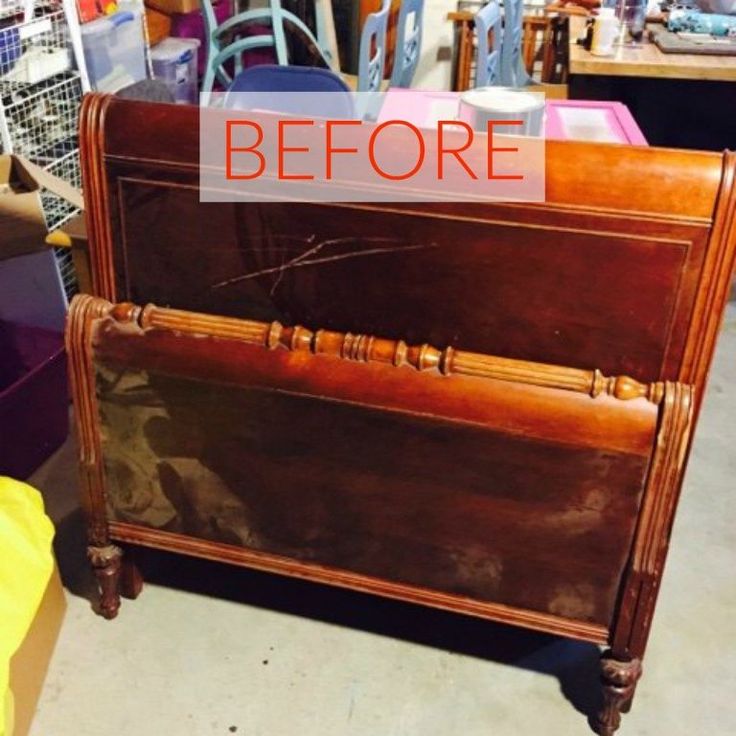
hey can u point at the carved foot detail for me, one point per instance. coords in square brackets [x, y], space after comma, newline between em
[626, 707]
[106, 565]
[618, 679]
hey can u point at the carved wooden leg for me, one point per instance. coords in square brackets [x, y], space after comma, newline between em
[131, 580]
[106, 564]
[626, 707]
[619, 680]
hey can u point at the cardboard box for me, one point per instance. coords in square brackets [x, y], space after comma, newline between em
[29, 664]
[159, 25]
[73, 234]
[22, 224]
[170, 7]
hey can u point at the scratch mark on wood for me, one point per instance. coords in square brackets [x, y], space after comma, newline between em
[306, 259]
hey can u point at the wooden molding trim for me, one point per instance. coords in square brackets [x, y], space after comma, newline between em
[96, 196]
[656, 518]
[83, 311]
[667, 466]
[715, 283]
[157, 539]
[369, 349]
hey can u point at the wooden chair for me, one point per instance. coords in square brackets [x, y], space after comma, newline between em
[544, 38]
[463, 49]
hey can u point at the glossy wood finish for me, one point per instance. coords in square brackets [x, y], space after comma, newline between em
[368, 349]
[525, 493]
[626, 266]
[624, 271]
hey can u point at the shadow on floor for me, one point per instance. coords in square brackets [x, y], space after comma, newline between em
[574, 664]
[71, 556]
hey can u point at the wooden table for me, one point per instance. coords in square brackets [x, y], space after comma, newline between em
[686, 100]
[646, 60]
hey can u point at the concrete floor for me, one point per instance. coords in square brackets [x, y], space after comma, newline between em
[209, 649]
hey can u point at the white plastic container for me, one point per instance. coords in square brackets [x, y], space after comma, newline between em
[175, 63]
[479, 105]
[114, 48]
[605, 31]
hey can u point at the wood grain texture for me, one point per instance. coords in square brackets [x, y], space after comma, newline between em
[625, 267]
[604, 301]
[84, 310]
[368, 348]
[533, 620]
[611, 464]
[657, 515]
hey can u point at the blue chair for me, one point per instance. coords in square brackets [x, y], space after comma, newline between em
[229, 41]
[372, 59]
[272, 78]
[488, 24]
[513, 72]
[408, 42]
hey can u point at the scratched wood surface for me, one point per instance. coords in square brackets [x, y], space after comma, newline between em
[625, 267]
[470, 484]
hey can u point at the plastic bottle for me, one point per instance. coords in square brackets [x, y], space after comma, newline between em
[605, 31]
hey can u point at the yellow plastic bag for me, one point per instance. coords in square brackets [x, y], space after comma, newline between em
[26, 564]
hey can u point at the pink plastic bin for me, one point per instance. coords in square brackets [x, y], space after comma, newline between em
[594, 120]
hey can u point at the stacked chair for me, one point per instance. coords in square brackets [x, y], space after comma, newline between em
[271, 27]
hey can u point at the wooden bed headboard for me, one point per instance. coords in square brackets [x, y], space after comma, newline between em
[626, 266]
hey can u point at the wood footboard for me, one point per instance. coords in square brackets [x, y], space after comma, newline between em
[521, 492]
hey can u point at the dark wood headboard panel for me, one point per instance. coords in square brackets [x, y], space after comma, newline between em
[626, 267]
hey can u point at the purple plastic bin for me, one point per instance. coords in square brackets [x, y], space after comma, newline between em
[191, 25]
[34, 397]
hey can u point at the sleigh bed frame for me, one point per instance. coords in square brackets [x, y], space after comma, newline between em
[488, 407]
